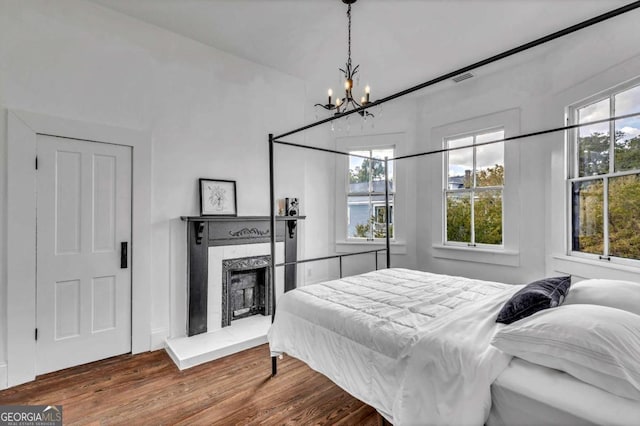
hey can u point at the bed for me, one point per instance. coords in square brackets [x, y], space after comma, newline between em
[530, 394]
[422, 348]
[364, 332]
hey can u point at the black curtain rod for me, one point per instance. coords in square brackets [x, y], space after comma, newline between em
[331, 151]
[438, 151]
[584, 24]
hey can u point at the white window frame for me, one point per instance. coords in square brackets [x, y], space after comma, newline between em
[370, 193]
[346, 143]
[471, 190]
[573, 171]
[509, 253]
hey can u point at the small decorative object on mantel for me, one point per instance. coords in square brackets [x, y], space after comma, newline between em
[218, 197]
[292, 207]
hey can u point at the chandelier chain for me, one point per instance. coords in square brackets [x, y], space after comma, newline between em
[349, 38]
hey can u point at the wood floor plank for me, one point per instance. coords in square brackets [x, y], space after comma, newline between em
[235, 390]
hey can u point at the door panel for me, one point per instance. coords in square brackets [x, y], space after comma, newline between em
[104, 202]
[67, 309]
[83, 214]
[104, 303]
[67, 202]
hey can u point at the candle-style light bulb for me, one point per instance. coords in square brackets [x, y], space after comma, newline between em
[367, 91]
[363, 100]
[330, 93]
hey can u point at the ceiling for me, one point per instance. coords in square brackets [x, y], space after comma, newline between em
[398, 43]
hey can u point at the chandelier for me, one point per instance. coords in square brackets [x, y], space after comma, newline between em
[348, 102]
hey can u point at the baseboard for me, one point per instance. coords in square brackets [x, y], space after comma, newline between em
[158, 338]
[4, 384]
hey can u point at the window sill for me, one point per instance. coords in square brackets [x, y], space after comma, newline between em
[477, 254]
[593, 268]
[345, 246]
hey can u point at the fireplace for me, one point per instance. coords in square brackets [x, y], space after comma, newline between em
[217, 243]
[246, 288]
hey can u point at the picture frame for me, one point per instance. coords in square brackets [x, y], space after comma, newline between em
[218, 197]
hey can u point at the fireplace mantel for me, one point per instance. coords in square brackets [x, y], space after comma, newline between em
[210, 231]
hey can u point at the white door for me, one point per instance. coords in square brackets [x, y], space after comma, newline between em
[83, 276]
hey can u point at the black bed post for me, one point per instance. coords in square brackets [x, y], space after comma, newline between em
[272, 238]
[386, 209]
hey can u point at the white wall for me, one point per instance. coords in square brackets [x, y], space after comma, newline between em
[208, 115]
[540, 84]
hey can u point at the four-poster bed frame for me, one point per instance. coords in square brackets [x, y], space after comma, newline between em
[273, 140]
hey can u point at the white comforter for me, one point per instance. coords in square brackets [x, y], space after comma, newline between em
[413, 345]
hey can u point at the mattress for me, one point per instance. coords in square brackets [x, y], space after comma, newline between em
[529, 394]
[412, 344]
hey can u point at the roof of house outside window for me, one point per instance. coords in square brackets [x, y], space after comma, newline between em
[456, 182]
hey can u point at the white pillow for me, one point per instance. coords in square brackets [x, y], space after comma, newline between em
[623, 295]
[596, 344]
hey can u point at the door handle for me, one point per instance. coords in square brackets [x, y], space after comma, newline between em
[123, 254]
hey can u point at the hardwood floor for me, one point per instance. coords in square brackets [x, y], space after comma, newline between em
[237, 390]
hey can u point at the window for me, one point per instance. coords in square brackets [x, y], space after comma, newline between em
[605, 178]
[474, 188]
[365, 197]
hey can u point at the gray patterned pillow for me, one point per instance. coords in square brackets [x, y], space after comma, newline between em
[534, 297]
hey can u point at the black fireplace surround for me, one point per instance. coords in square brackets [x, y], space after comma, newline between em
[209, 231]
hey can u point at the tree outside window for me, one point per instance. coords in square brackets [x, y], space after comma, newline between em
[474, 189]
[605, 201]
[366, 194]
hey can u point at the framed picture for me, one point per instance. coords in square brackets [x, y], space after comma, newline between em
[218, 197]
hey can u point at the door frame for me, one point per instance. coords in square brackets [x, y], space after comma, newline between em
[23, 129]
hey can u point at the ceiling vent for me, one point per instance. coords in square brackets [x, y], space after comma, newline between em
[462, 77]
